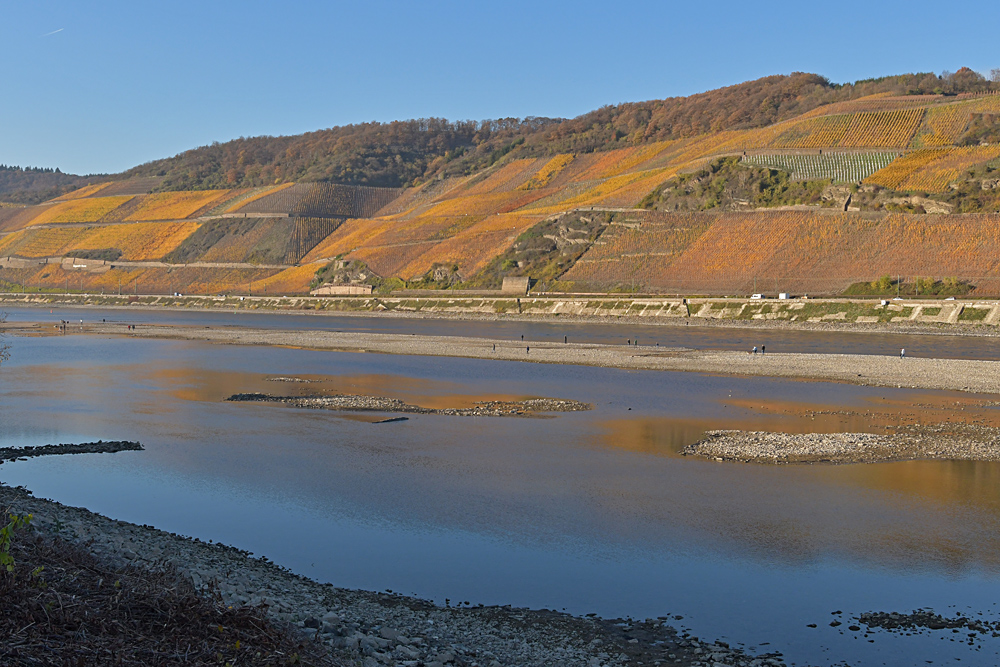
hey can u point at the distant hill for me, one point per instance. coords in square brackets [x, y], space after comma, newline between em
[406, 153]
[31, 185]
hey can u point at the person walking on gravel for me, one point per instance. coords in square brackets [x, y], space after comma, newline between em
[902, 353]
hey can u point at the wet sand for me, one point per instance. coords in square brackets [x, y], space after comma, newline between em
[882, 371]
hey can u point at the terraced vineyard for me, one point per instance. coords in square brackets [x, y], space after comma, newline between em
[549, 171]
[879, 129]
[12, 218]
[838, 167]
[307, 234]
[281, 200]
[943, 125]
[78, 210]
[736, 253]
[343, 201]
[176, 205]
[872, 129]
[510, 176]
[231, 240]
[137, 242]
[874, 103]
[247, 198]
[931, 170]
[936, 175]
[635, 253]
[131, 186]
[896, 173]
[84, 192]
[906, 145]
[471, 248]
[817, 133]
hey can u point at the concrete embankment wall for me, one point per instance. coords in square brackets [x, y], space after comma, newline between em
[846, 311]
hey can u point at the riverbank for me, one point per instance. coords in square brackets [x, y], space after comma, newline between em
[869, 370]
[923, 316]
[371, 628]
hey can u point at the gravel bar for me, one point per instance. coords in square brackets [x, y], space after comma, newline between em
[966, 442]
[99, 447]
[523, 408]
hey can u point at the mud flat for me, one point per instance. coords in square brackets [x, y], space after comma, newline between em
[368, 628]
[525, 408]
[952, 442]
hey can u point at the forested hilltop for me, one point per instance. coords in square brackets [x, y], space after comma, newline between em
[31, 185]
[406, 153]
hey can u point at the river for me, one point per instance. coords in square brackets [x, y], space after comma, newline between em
[591, 512]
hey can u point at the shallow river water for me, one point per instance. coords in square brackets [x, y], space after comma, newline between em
[588, 512]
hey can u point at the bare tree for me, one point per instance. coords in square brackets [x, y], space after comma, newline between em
[995, 75]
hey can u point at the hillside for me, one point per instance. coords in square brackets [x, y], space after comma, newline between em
[32, 185]
[407, 153]
[814, 192]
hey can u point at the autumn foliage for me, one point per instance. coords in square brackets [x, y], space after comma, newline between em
[788, 251]
[294, 203]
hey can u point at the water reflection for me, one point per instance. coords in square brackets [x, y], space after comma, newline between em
[590, 511]
[912, 514]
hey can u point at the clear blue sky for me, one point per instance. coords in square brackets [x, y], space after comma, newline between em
[121, 83]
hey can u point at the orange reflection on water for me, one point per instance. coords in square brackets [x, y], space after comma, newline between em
[195, 384]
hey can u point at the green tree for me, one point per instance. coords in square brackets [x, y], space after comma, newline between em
[882, 285]
[7, 536]
[925, 285]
